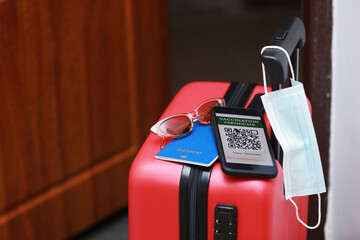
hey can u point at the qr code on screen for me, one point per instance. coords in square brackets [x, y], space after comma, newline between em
[247, 139]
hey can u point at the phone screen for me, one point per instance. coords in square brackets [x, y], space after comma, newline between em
[243, 139]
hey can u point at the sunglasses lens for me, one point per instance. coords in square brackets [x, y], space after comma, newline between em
[204, 111]
[176, 126]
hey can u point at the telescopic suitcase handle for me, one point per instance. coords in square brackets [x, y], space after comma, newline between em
[289, 35]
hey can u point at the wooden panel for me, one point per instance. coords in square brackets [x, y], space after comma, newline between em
[19, 143]
[70, 207]
[81, 82]
[151, 60]
[109, 92]
[70, 24]
[106, 199]
[45, 85]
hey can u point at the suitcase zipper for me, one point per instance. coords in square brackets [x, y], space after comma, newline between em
[238, 94]
[194, 181]
[194, 184]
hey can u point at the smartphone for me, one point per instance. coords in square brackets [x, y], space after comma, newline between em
[243, 142]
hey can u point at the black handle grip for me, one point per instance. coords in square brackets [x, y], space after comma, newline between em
[289, 35]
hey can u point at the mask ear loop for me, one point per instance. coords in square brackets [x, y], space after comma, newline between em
[319, 213]
[263, 66]
[266, 92]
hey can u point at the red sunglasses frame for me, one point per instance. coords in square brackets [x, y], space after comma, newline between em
[191, 116]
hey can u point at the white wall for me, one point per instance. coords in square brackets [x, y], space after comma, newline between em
[343, 218]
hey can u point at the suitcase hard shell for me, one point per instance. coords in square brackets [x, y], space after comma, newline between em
[156, 207]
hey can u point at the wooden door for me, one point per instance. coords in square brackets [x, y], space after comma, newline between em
[81, 82]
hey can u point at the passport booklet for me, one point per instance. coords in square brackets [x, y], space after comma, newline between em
[198, 148]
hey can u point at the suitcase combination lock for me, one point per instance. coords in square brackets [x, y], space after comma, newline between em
[225, 225]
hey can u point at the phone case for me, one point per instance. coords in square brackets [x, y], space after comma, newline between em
[242, 169]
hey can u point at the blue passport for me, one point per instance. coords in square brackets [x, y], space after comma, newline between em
[198, 148]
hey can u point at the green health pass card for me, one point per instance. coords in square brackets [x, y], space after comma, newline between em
[243, 139]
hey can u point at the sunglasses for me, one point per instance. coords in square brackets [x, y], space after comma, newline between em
[180, 125]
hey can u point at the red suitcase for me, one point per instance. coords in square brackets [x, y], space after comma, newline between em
[169, 200]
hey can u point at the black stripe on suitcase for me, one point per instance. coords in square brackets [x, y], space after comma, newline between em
[194, 185]
[194, 181]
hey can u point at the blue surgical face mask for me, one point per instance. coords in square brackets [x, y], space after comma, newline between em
[288, 113]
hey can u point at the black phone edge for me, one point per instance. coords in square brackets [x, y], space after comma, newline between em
[242, 172]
